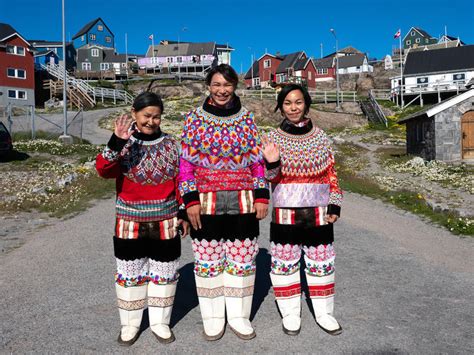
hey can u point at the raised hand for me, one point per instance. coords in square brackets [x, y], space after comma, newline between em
[122, 127]
[269, 150]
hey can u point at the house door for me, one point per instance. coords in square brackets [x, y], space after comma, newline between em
[467, 129]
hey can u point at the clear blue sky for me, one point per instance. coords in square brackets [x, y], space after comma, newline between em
[248, 26]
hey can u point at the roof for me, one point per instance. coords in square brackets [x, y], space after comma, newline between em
[323, 62]
[301, 63]
[420, 31]
[183, 48]
[443, 105]
[289, 61]
[224, 46]
[43, 43]
[7, 31]
[348, 61]
[449, 44]
[255, 66]
[345, 50]
[88, 26]
[440, 60]
[42, 53]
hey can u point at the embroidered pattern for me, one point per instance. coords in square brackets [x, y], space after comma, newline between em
[271, 174]
[239, 292]
[150, 163]
[132, 272]
[285, 252]
[147, 210]
[323, 268]
[162, 273]
[321, 253]
[281, 267]
[213, 142]
[316, 291]
[160, 301]
[110, 154]
[238, 269]
[288, 291]
[260, 183]
[131, 305]
[167, 229]
[208, 269]
[216, 180]
[210, 292]
[241, 251]
[187, 186]
[208, 250]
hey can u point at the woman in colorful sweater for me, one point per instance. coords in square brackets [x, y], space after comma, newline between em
[144, 162]
[306, 202]
[223, 186]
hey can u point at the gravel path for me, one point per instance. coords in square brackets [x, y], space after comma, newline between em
[403, 286]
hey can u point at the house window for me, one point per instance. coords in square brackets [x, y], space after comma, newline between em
[310, 77]
[322, 71]
[267, 63]
[17, 94]
[94, 52]
[104, 66]
[86, 66]
[15, 50]
[427, 40]
[422, 82]
[100, 28]
[408, 42]
[108, 39]
[459, 78]
[124, 65]
[169, 60]
[83, 38]
[412, 33]
[92, 37]
[16, 73]
[256, 82]
[179, 59]
[417, 40]
[281, 78]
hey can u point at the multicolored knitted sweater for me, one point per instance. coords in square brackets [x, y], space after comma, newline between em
[220, 153]
[145, 168]
[304, 177]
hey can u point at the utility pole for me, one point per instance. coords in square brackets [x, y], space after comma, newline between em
[65, 138]
[337, 69]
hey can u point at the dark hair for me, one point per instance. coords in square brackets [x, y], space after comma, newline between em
[226, 71]
[146, 99]
[286, 90]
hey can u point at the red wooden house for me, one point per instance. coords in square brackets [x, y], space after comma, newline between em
[17, 68]
[272, 70]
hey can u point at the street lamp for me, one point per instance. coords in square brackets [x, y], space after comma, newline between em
[179, 63]
[65, 138]
[333, 31]
[251, 66]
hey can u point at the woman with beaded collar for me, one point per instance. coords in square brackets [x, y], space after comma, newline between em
[222, 183]
[306, 202]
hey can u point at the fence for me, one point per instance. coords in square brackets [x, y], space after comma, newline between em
[317, 96]
[26, 121]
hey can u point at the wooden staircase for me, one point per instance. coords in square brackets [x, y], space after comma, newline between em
[76, 96]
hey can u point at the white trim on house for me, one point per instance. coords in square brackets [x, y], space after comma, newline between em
[86, 66]
[17, 94]
[15, 50]
[267, 63]
[104, 66]
[16, 73]
[449, 103]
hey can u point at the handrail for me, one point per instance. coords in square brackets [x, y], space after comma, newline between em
[378, 109]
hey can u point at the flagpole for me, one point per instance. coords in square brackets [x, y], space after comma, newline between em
[401, 70]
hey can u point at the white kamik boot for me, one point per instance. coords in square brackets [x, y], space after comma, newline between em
[131, 302]
[287, 290]
[210, 291]
[160, 305]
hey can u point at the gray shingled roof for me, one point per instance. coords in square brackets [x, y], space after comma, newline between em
[289, 61]
[440, 60]
[186, 48]
[423, 32]
[348, 61]
[301, 63]
[6, 31]
[248, 75]
[323, 62]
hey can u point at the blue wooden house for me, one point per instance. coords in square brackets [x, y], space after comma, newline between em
[42, 46]
[95, 32]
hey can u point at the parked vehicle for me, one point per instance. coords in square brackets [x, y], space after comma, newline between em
[6, 145]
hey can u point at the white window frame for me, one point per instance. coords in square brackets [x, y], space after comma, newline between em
[322, 71]
[86, 66]
[16, 73]
[310, 75]
[417, 40]
[256, 81]
[15, 50]
[104, 66]
[83, 38]
[100, 28]
[169, 59]
[463, 80]
[94, 52]
[92, 36]
[108, 39]
[408, 42]
[124, 65]
[267, 63]
[179, 59]
[17, 94]
[413, 33]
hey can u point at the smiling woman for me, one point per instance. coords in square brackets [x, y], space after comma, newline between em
[222, 183]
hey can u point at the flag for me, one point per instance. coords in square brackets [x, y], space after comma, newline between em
[150, 37]
[396, 35]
